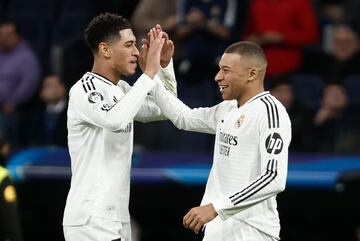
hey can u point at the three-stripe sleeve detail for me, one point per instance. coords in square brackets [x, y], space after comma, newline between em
[88, 84]
[268, 112]
[272, 112]
[257, 185]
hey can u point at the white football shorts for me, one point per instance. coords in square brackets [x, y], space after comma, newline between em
[97, 229]
[233, 230]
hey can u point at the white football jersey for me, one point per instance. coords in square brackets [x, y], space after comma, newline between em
[250, 155]
[100, 140]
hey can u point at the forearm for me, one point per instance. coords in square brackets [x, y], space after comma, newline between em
[111, 115]
[167, 76]
[149, 111]
[183, 117]
[265, 186]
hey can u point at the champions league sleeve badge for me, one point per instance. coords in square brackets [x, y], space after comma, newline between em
[95, 97]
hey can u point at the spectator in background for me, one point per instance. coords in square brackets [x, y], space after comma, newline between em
[49, 120]
[9, 216]
[337, 123]
[282, 28]
[343, 59]
[19, 76]
[330, 13]
[205, 26]
[54, 96]
[345, 55]
[148, 13]
[301, 117]
[330, 119]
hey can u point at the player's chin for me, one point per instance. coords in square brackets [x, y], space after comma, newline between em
[225, 97]
[131, 71]
[132, 68]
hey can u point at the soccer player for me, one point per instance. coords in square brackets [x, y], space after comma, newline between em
[249, 169]
[101, 111]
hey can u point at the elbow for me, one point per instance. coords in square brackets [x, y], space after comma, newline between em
[180, 124]
[280, 186]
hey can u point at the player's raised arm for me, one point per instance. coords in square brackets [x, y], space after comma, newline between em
[156, 43]
[166, 72]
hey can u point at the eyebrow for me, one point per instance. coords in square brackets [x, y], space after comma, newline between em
[130, 41]
[224, 67]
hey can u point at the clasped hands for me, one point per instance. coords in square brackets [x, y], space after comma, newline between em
[167, 50]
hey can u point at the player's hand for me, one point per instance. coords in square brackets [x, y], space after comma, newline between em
[153, 54]
[323, 115]
[143, 54]
[198, 217]
[168, 49]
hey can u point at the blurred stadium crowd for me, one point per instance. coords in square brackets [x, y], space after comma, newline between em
[313, 49]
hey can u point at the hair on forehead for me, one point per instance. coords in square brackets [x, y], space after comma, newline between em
[248, 49]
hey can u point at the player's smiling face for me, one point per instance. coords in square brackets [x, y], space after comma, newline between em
[232, 76]
[125, 53]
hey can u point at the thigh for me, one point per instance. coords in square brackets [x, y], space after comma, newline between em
[98, 229]
[214, 230]
[73, 233]
[235, 230]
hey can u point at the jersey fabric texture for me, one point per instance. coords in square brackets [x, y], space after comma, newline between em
[250, 155]
[100, 140]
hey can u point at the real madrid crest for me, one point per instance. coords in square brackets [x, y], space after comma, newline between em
[95, 97]
[239, 121]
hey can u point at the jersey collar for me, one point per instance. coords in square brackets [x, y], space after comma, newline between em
[100, 77]
[257, 97]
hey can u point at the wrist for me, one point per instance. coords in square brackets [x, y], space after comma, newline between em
[150, 74]
[164, 63]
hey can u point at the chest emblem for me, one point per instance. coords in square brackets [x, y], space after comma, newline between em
[239, 121]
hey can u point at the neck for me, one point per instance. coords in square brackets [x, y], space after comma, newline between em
[250, 93]
[104, 70]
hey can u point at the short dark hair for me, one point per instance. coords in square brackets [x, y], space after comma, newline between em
[104, 28]
[247, 49]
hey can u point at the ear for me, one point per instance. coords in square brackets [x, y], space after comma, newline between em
[104, 50]
[253, 73]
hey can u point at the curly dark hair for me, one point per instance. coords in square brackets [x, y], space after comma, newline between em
[104, 28]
